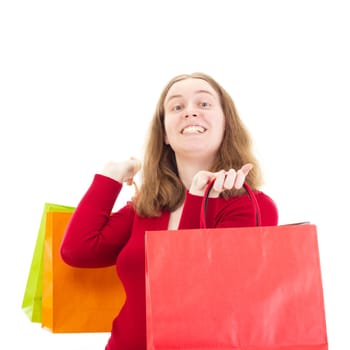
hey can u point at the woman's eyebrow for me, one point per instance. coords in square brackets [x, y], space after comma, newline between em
[204, 91]
[196, 92]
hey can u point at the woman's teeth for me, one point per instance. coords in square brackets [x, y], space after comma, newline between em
[193, 129]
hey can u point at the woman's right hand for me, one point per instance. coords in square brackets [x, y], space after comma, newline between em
[122, 171]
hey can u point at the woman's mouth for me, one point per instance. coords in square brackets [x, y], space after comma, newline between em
[193, 129]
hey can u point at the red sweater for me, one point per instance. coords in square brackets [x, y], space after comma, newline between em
[96, 238]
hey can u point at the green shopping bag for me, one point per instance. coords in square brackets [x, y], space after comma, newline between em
[31, 304]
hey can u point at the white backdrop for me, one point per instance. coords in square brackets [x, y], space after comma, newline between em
[79, 81]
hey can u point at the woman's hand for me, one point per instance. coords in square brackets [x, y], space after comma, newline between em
[224, 180]
[122, 171]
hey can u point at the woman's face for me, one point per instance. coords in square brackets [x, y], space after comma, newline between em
[194, 120]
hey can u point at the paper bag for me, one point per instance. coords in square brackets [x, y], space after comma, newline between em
[31, 303]
[76, 299]
[235, 288]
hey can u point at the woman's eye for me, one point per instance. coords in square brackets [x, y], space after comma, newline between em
[177, 108]
[205, 104]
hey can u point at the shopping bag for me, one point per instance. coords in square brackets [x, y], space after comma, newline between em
[235, 288]
[76, 299]
[31, 302]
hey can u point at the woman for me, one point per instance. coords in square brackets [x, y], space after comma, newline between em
[195, 136]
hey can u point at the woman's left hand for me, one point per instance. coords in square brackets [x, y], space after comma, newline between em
[224, 180]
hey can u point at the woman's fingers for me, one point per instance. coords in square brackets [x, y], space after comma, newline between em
[224, 180]
[133, 168]
[239, 180]
[241, 175]
[122, 171]
[199, 182]
[136, 163]
[232, 178]
[220, 181]
[246, 168]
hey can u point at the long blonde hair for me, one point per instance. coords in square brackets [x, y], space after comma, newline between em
[161, 187]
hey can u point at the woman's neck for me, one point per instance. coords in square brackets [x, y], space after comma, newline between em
[187, 168]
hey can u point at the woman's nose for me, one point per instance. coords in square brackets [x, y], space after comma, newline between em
[187, 115]
[190, 112]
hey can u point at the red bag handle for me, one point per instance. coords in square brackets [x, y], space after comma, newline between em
[257, 213]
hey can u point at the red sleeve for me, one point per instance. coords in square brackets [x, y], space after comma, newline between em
[239, 212]
[191, 212]
[94, 237]
[232, 212]
[268, 210]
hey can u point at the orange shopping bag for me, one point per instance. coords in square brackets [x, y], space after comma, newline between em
[76, 299]
[235, 288]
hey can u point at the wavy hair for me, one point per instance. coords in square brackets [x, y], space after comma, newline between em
[162, 189]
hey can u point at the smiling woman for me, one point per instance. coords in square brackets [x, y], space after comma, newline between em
[193, 100]
[194, 121]
[195, 137]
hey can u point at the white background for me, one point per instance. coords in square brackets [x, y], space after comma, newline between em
[78, 85]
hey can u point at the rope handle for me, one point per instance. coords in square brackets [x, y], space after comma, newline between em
[257, 213]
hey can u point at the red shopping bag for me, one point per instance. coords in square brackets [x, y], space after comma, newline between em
[235, 288]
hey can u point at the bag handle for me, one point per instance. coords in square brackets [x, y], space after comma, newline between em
[257, 213]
